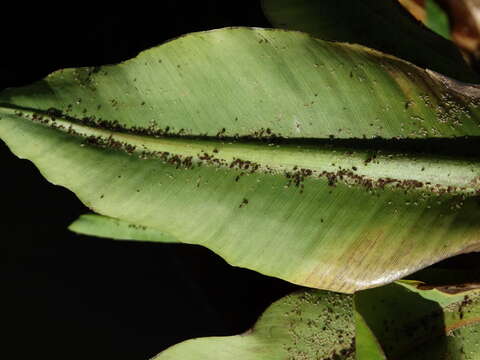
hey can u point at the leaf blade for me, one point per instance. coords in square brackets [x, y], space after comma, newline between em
[413, 321]
[105, 227]
[366, 344]
[308, 324]
[218, 197]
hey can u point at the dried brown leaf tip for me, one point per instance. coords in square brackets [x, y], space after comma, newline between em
[458, 88]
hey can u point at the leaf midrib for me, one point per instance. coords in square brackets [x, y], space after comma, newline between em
[295, 159]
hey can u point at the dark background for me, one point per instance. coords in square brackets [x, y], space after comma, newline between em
[65, 296]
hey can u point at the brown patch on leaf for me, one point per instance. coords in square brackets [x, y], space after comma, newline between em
[416, 8]
[464, 16]
[465, 90]
[451, 289]
[470, 248]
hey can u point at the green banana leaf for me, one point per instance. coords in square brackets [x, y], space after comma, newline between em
[105, 227]
[263, 145]
[383, 25]
[437, 19]
[366, 344]
[408, 319]
[412, 320]
[310, 324]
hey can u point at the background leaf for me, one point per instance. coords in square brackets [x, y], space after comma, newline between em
[437, 19]
[458, 19]
[309, 324]
[366, 344]
[465, 25]
[256, 177]
[103, 226]
[412, 320]
[370, 23]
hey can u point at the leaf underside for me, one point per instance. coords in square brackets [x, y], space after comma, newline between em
[283, 153]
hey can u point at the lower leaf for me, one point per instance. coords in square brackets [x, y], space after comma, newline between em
[309, 324]
[412, 320]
